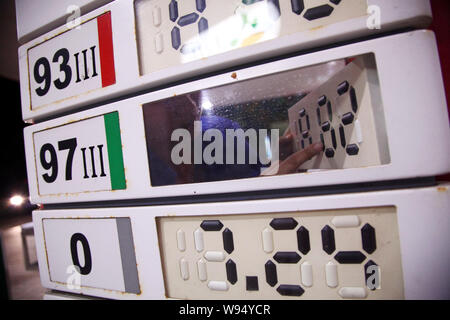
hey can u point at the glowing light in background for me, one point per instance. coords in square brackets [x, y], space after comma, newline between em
[268, 148]
[16, 200]
[249, 25]
[207, 105]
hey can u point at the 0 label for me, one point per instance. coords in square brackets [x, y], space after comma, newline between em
[104, 260]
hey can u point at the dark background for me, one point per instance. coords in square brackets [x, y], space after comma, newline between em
[13, 179]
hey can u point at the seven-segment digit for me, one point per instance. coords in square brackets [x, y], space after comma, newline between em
[348, 117]
[290, 257]
[184, 21]
[228, 245]
[324, 113]
[314, 13]
[304, 125]
[368, 239]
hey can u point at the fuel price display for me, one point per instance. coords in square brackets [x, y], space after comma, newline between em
[326, 254]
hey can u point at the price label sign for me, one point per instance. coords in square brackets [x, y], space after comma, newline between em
[72, 63]
[80, 256]
[83, 156]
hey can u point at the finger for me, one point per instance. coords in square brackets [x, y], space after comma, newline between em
[294, 161]
[287, 131]
[286, 139]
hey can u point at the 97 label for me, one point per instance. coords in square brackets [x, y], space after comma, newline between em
[72, 63]
[80, 157]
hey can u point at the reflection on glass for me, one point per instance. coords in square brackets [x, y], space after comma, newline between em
[276, 124]
[173, 32]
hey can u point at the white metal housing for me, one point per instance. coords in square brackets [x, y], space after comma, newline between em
[392, 14]
[416, 128]
[423, 229]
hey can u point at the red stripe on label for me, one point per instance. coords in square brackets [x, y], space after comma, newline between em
[106, 49]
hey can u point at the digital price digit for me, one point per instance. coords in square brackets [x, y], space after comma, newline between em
[368, 238]
[314, 13]
[325, 118]
[304, 126]
[331, 114]
[298, 7]
[217, 256]
[186, 20]
[62, 58]
[288, 257]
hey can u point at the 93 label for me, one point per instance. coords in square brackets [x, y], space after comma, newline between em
[72, 63]
[42, 71]
[81, 156]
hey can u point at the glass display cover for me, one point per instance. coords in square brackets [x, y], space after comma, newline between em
[173, 32]
[320, 117]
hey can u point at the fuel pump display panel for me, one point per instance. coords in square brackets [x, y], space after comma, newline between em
[173, 32]
[254, 128]
[362, 245]
[129, 46]
[241, 130]
[326, 254]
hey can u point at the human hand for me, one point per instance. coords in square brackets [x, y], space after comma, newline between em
[290, 161]
[295, 160]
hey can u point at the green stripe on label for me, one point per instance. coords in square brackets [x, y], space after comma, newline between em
[114, 142]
